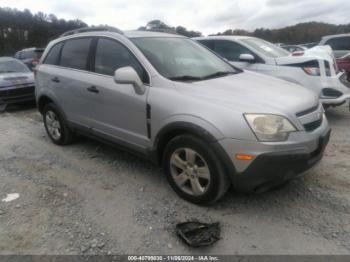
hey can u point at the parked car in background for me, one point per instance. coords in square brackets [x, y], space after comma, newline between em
[344, 64]
[309, 45]
[16, 81]
[316, 72]
[168, 98]
[340, 44]
[293, 48]
[30, 56]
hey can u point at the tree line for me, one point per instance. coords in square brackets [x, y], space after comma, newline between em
[297, 34]
[21, 29]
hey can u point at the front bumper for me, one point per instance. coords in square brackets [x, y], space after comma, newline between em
[340, 84]
[17, 94]
[272, 169]
[274, 163]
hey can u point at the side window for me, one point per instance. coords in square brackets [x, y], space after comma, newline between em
[111, 55]
[208, 43]
[52, 57]
[339, 43]
[75, 53]
[230, 50]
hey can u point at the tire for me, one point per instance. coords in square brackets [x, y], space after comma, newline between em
[65, 135]
[184, 171]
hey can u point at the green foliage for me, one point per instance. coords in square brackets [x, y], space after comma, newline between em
[159, 26]
[21, 29]
[296, 34]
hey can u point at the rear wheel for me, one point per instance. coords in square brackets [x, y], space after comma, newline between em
[55, 125]
[194, 171]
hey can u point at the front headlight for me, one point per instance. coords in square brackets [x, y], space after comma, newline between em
[270, 128]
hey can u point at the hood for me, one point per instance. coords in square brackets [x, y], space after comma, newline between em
[15, 79]
[252, 92]
[321, 52]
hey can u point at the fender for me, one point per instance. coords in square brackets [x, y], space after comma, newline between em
[173, 129]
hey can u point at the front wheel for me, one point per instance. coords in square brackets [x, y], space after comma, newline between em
[194, 171]
[55, 126]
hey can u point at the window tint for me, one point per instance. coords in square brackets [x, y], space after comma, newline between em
[207, 43]
[75, 53]
[230, 50]
[339, 43]
[53, 55]
[111, 55]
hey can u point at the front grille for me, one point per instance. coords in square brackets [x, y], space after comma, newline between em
[307, 111]
[330, 92]
[315, 112]
[309, 127]
[18, 94]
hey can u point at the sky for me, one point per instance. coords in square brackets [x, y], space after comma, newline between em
[206, 16]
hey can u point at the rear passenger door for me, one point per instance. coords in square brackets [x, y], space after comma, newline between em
[66, 66]
[117, 112]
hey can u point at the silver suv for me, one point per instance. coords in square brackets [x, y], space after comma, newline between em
[172, 100]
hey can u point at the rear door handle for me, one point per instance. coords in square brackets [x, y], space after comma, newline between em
[93, 89]
[55, 79]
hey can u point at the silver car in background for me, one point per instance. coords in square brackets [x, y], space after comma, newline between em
[171, 100]
[314, 71]
[16, 82]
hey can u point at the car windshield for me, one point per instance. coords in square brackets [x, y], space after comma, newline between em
[182, 59]
[12, 66]
[265, 47]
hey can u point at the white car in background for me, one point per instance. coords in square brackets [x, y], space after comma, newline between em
[315, 70]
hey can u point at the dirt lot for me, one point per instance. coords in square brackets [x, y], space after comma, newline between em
[88, 198]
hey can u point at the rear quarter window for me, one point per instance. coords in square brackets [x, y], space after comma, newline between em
[75, 53]
[52, 57]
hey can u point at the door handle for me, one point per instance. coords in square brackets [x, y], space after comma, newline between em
[55, 79]
[93, 89]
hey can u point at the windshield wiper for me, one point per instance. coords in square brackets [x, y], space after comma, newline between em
[185, 78]
[218, 74]
[8, 71]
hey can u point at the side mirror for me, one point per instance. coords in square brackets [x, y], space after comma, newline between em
[128, 75]
[247, 58]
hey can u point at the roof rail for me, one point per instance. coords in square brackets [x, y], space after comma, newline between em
[93, 29]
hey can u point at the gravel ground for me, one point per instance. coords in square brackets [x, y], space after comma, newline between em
[88, 198]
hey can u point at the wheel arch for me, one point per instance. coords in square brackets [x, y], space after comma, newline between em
[174, 129]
